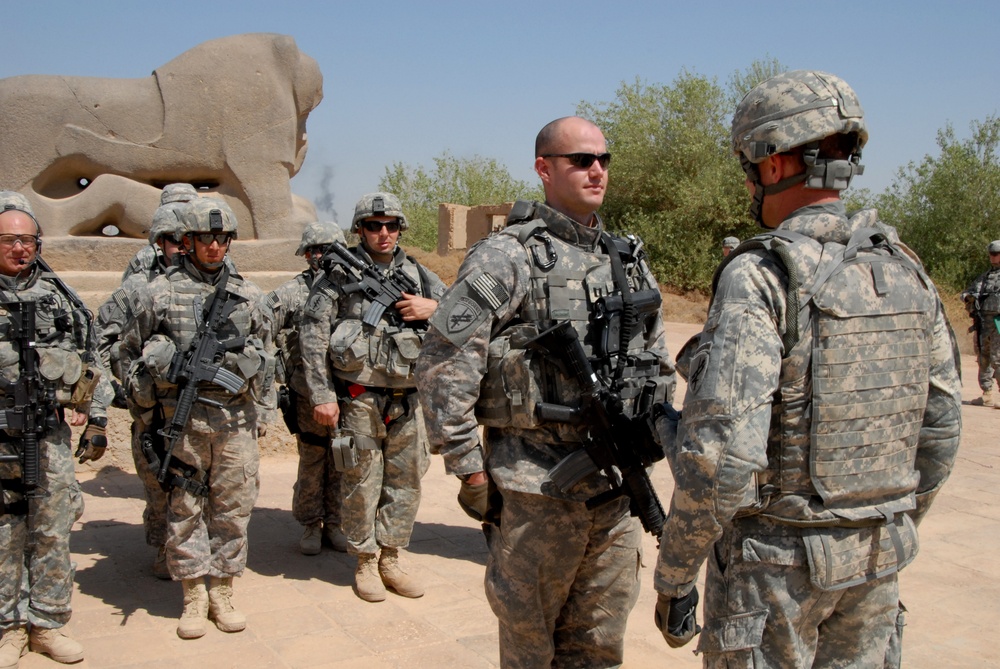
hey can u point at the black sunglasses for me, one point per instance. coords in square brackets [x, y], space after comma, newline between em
[376, 226]
[583, 160]
[207, 238]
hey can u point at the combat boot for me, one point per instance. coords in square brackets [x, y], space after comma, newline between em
[13, 647]
[395, 577]
[220, 605]
[334, 538]
[192, 623]
[55, 644]
[311, 540]
[367, 583]
[988, 398]
[160, 569]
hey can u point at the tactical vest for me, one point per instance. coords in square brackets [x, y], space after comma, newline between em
[854, 380]
[989, 293]
[380, 357]
[184, 313]
[286, 340]
[567, 283]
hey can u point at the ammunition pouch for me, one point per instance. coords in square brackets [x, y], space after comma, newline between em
[63, 369]
[344, 449]
[348, 346]
[512, 385]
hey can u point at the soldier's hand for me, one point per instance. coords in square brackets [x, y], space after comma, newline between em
[327, 414]
[93, 441]
[473, 495]
[415, 308]
[676, 619]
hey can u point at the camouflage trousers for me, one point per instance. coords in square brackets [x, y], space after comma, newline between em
[382, 493]
[988, 354]
[762, 609]
[316, 495]
[208, 535]
[562, 580]
[36, 572]
[154, 515]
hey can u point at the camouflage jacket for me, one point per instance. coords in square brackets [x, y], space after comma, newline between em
[63, 340]
[984, 294]
[453, 362]
[286, 302]
[337, 345]
[163, 321]
[729, 428]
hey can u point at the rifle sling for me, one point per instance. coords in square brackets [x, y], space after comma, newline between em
[628, 311]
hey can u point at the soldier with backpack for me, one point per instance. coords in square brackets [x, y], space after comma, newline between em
[822, 413]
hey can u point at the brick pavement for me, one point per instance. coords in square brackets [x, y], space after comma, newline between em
[303, 613]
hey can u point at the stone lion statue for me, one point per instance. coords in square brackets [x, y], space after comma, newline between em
[228, 116]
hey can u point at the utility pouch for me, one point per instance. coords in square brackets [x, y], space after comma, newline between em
[83, 391]
[345, 452]
[841, 557]
[348, 346]
[288, 401]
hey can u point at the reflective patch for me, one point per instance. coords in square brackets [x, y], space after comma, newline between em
[464, 313]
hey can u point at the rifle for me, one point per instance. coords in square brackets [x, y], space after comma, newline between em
[977, 320]
[202, 362]
[30, 404]
[383, 290]
[620, 446]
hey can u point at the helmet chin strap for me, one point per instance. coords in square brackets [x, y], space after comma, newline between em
[760, 190]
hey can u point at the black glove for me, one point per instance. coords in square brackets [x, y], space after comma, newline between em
[93, 441]
[675, 617]
[473, 499]
[121, 398]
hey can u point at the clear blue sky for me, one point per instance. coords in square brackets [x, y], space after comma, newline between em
[404, 81]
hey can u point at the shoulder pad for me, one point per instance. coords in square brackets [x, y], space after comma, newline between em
[522, 211]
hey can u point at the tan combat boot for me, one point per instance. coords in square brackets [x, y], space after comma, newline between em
[395, 577]
[988, 398]
[192, 623]
[220, 605]
[13, 646]
[312, 539]
[367, 583]
[55, 644]
[334, 538]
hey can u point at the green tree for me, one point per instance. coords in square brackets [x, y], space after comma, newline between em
[947, 207]
[674, 180]
[466, 181]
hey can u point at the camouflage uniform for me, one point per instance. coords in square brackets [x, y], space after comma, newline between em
[560, 578]
[34, 557]
[369, 371]
[822, 414]
[205, 536]
[984, 294]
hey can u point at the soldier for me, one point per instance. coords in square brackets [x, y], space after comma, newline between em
[982, 300]
[728, 244]
[36, 515]
[823, 408]
[561, 577]
[316, 496]
[360, 377]
[165, 235]
[216, 483]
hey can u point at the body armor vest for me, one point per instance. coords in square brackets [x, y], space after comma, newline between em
[854, 379]
[379, 357]
[568, 283]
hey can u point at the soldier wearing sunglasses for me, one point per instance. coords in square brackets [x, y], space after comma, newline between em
[206, 535]
[360, 378]
[36, 516]
[561, 578]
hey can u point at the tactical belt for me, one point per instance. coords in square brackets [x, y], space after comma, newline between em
[356, 389]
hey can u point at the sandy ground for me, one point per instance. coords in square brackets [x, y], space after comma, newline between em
[303, 613]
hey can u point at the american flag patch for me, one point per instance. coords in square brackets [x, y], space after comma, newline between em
[121, 299]
[489, 289]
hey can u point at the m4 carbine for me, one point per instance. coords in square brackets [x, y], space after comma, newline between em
[382, 289]
[202, 362]
[620, 446]
[29, 404]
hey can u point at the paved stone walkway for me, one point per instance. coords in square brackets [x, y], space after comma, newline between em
[303, 613]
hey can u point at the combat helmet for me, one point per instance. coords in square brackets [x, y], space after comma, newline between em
[793, 109]
[178, 192]
[167, 221]
[320, 233]
[10, 199]
[378, 204]
[208, 214]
